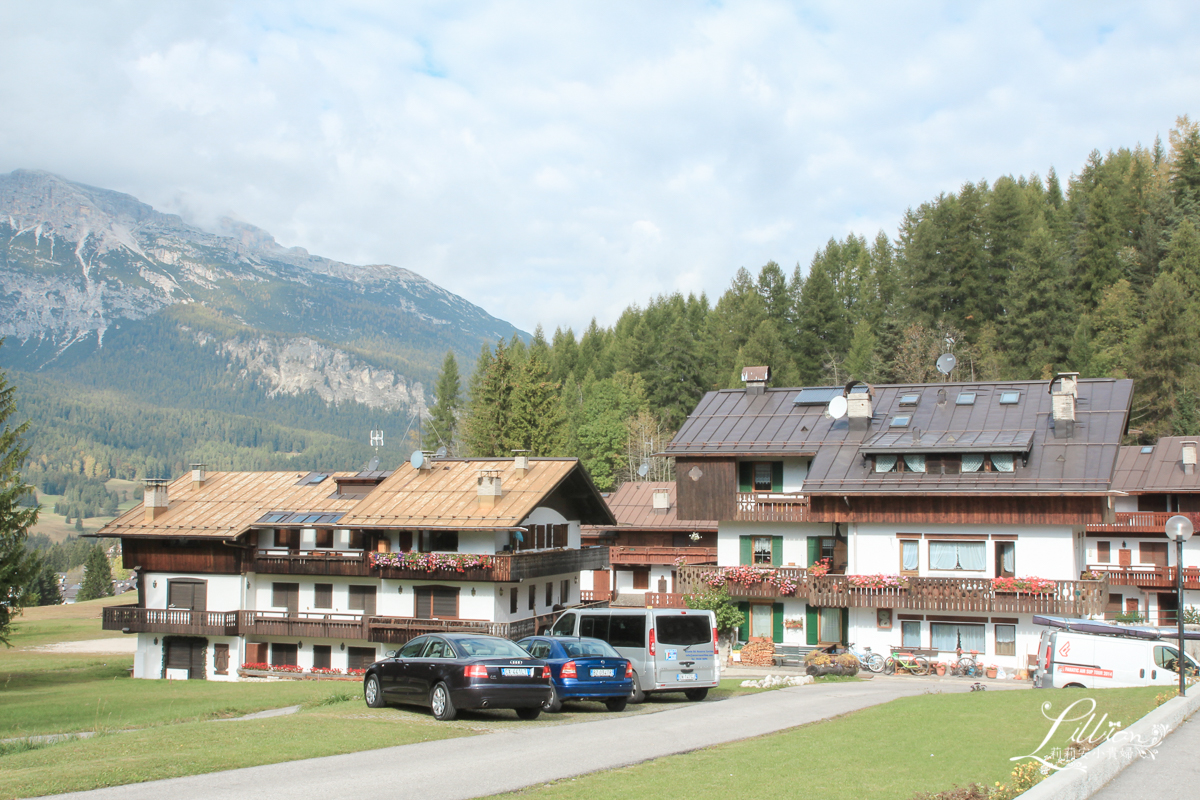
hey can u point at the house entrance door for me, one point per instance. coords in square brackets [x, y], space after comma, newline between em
[184, 657]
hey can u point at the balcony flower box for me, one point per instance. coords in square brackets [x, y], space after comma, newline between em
[432, 562]
[751, 576]
[1030, 585]
[296, 673]
[877, 581]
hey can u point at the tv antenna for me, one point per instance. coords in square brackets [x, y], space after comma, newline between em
[377, 440]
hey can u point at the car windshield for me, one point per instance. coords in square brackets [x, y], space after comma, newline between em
[487, 647]
[589, 647]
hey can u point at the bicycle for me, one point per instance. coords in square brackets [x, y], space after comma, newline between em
[910, 662]
[966, 666]
[872, 662]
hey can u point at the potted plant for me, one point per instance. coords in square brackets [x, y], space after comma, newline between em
[941, 669]
[990, 671]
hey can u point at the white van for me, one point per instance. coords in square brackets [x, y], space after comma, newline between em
[1097, 655]
[672, 649]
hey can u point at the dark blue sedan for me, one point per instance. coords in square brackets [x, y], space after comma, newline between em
[582, 669]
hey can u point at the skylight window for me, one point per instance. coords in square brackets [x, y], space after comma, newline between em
[1009, 398]
[909, 399]
[965, 399]
[1148, 448]
[899, 421]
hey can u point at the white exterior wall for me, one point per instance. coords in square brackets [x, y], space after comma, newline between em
[548, 516]
[795, 539]
[1047, 551]
[224, 591]
[795, 470]
[864, 632]
[476, 542]
[502, 601]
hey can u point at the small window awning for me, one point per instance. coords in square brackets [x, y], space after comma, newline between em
[954, 442]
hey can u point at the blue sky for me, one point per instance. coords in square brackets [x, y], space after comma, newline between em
[553, 162]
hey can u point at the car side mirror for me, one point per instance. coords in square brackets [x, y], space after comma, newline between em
[394, 654]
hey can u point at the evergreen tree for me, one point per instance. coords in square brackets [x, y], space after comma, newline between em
[443, 417]
[1167, 352]
[863, 362]
[733, 320]
[1186, 420]
[97, 576]
[45, 589]
[608, 407]
[536, 424]
[17, 565]
[765, 347]
[1035, 332]
[1112, 327]
[675, 385]
[1183, 258]
[823, 332]
[566, 354]
[485, 430]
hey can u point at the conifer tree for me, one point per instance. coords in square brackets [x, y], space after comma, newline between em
[675, 385]
[443, 417]
[485, 429]
[1167, 354]
[44, 590]
[1112, 327]
[536, 422]
[17, 566]
[97, 576]
[863, 362]
[823, 330]
[1035, 332]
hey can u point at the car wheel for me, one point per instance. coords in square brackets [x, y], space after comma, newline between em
[552, 704]
[441, 704]
[696, 695]
[372, 693]
[638, 695]
[528, 713]
[616, 703]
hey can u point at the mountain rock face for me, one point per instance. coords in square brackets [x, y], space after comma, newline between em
[77, 261]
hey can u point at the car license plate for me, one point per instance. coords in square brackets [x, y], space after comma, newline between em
[686, 676]
[602, 673]
[516, 672]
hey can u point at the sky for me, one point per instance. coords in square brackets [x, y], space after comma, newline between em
[555, 162]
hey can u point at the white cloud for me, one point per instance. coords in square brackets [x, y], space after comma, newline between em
[559, 162]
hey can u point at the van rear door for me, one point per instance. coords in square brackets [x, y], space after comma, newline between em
[684, 654]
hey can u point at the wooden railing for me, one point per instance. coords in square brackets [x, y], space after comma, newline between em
[131, 619]
[505, 567]
[1141, 522]
[1148, 577]
[312, 562]
[664, 600]
[522, 566]
[398, 630]
[662, 555]
[771, 507]
[1073, 598]
[313, 626]
[588, 596]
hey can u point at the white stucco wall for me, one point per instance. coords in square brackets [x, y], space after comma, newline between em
[548, 516]
[224, 592]
[795, 539]
[795, 470]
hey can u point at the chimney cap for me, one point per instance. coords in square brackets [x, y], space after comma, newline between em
[756, 374]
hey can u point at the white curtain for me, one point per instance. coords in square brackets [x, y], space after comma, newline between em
[947, 638]
[1008, 558]
[958, 555]
[1002, 462]
[972, 556]
[831, 625]
[972, 462]
[915, 462]
[908, 552]
[943, 555]
[885, 463]
[910, 634]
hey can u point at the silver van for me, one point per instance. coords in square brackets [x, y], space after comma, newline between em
[672, 649]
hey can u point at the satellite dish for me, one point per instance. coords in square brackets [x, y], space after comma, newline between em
[837, 407]
[441, 452]
[643, 470]
[374, 465]
[417, 459]
[946, 363]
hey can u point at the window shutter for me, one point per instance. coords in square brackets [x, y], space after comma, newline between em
[810, 624]
[777, 476]
[406, 541]
[747, 550]
[199, 648]
[745, 476]
[776, 551]
[743, 630]
[814, 550]
[845, 625]
[777, 623]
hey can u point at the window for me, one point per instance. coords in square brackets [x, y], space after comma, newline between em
[909, 557]
[833, 548]
[565, 626]
[969, 556]
[909, 400]
[829, 622]
[941, 464]
[539, 648]
[287, 537]
[683, 631]
[1009, 398]
[910, 634]
[360, 657]
[286, 595]
[362, 598]
[909, 462]
[1006, 640]
[283, 655]
[1153, 553]
[1103, 553]
[324, 537]
[439, 541]
[512, 599]
[435, 602]
[322, 656]
[762, 477]
[641, 579]
[1006, 559]
[414, 648]
[323, 595]
[949, 637]
[1148, 449]
[564, 592]
[762, 550]
[437, 648]
[627, 631]
[900, 421]
[358, 540]
[549, 593]
[532, 597]
[965, 399]
[762, 620]
[593, 626]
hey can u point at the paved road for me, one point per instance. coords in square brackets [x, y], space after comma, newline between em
[1173, 772]
[475, 766]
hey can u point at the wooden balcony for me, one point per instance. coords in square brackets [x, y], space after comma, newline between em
[505, 567]
[665, 600]
[645, 556]
[1148, 577]
[301, 625]
[771, 507]
[1130, 522]
[398, 630]
[1068, 598]
[131, 619]
[352, 563]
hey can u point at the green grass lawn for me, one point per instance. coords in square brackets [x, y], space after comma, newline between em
[910, 745]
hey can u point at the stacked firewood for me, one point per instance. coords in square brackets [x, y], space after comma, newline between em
[758, 652]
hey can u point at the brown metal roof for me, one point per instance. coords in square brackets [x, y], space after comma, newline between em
[633, 506]
[231, 503]
[735, 423]
[1160, 470]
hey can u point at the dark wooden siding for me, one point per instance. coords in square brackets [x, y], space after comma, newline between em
[161, 556]
[710, 495]
[961, 510]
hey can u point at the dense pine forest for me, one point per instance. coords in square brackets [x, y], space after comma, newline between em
[1019, 278]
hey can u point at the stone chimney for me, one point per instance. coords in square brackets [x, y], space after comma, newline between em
[756, 379]
[1064, 393]
[154, 498]
[1189, 458]
[488, 488]
[198, 476]
[858, 405]
[662, 501]
[521, 465]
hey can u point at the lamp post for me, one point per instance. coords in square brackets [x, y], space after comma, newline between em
[1179, 530]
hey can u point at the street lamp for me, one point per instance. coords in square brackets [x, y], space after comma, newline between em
[1179, 530]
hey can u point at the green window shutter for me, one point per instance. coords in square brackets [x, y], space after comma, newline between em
[745, 476]
[743, 631]
[776, 551]
[810, 625]
[814, 549]
[777, 623]
[777, 476]
[747, 550]
[845, 626]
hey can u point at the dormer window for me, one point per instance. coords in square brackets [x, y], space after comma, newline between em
[1010, 398]
[909, 400]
